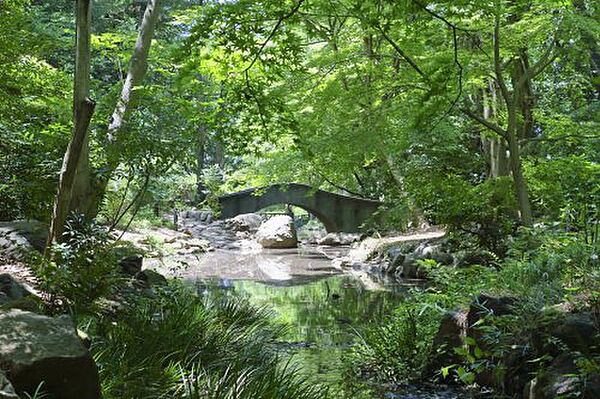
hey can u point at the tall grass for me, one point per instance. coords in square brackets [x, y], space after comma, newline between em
[178, 345]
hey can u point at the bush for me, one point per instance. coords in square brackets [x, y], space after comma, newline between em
[83, 267]
[397, 350]
[566, 189]
[545, 266]
[485, 211]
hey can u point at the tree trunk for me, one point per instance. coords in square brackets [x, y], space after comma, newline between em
[137, 68]
[495, 146]
[511, 132]
[525, 100]
[520, 183]
[219, 154]
[89, 190]
[200, 155]
[83, 108]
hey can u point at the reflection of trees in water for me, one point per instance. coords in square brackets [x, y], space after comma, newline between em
[318, 314]
[323, 314]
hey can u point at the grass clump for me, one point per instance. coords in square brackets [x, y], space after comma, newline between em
[179, 345]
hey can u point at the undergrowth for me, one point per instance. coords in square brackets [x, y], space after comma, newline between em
[545, 267]
[179, 345]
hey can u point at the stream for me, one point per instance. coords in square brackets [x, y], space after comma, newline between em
[324, 307]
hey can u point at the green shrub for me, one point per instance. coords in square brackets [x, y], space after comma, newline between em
[83, 267]
[397, 350]
[566, 189]
[484, 211]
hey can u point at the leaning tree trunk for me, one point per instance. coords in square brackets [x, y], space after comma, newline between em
[89, 191]
[137, 68]
[83, 108]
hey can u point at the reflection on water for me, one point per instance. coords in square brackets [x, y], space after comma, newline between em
[323, 316]
[282, 266]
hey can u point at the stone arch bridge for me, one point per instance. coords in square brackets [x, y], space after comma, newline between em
[337, 212]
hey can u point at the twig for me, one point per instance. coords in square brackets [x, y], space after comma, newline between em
[401, 52]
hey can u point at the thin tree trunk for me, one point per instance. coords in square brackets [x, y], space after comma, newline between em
[525, 100]
[512, 137]
[200, 155]
[495, 146]
[83, 109]
[219, 154]
[516, 168]
[137, 68]
[89, 191]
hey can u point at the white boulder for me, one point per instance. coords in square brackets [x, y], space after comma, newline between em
[277, 232]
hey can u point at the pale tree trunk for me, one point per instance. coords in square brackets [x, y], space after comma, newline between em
[200, 155]
[137, 68]
[83, 108]
[495, 146]
[88, 191]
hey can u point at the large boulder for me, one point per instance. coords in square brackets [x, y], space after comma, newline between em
[249, 222]
[455, 326]
[488, 305]
[277, 232]
[449, 336]
[576, 331]
[21, 236]
[36, 349]
[151, 278]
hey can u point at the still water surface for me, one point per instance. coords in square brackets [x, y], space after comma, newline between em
[324, 309]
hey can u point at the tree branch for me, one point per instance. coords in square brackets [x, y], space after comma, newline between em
[546, 59]
[490, 125]
[402, 54]
[272, 34]
[257, 55]
[456, 60]
[498, 63]
[341, 187]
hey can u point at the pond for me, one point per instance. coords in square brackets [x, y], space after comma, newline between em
[324, 309]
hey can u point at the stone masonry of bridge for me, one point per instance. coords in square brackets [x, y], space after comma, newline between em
[337, 212]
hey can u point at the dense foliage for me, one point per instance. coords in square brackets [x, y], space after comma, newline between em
[478, 116]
